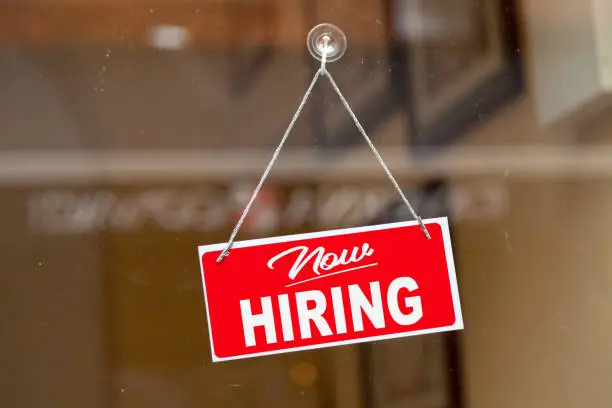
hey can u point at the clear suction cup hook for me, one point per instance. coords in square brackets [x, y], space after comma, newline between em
[326, 37]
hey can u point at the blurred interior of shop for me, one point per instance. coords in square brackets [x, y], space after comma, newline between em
[134, 131]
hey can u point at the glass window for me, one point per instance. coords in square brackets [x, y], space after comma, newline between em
[132, 132]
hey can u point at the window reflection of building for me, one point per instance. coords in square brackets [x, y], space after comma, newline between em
[463, 40]
[411, 372]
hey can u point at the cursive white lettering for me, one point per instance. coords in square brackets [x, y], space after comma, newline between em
[321, 259]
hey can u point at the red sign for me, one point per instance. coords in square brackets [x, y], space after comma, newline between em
[307, 291]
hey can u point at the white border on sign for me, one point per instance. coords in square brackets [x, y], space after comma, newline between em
[450, 263]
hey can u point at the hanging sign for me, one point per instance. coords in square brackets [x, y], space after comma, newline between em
[307, 291]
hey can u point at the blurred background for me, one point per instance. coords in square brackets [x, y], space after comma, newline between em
[133, 131]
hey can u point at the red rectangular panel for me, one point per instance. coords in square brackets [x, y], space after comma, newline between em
[307, 291]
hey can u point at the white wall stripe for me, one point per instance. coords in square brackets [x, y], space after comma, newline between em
[36, 167]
